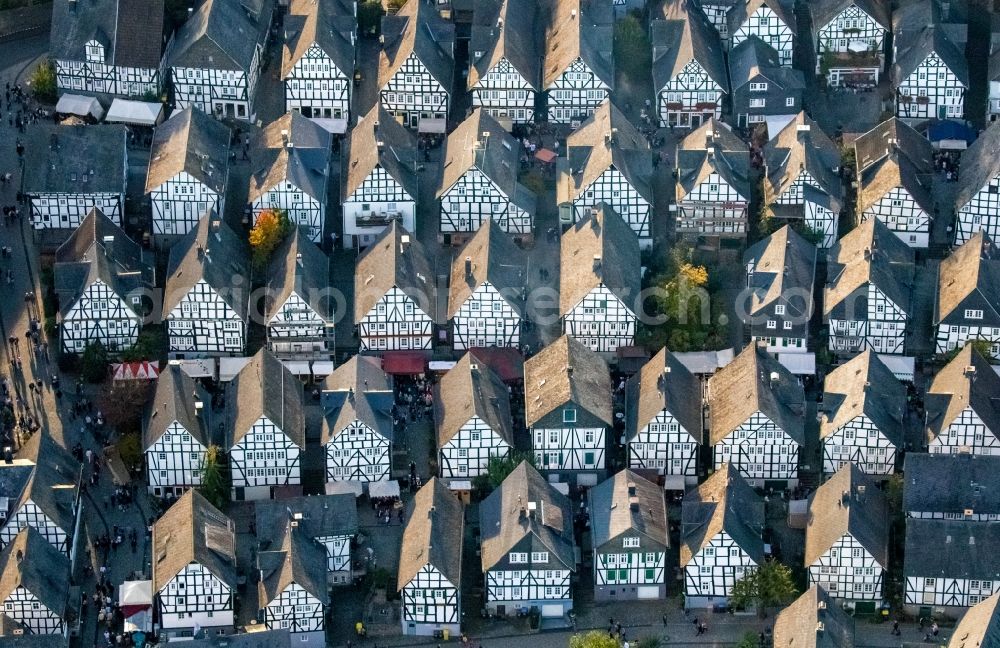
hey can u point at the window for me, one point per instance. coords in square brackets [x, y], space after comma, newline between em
[569, 415]
[789, 101]
[758, 103]
[779, 309]
[539, 556]
[758, 87]
[630, 543]
[973, 313]
[787, 326]
[772, 324]
[518, 558]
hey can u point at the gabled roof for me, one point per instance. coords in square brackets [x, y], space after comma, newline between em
[194, 142]
[974, 268]
[752, 58]
[922, 27]
[526, 505]
[433, 534]
[712, 148]
[221, 35]
[606, 139]
[417, 29]
[663, 383]
[377, 140]
[723, 502]
[292, 149]
[264, 387]
[75, 159]
[892, 155]
[755, 382]
[814, 620]
[357, 390]
[627, 502]
[741, 12]
[564, 372]
[506, 29]
[471, 389]
[951, 483]
[490, 256]
[31, 562]
[127, 42]
[802, 146]
[299, 560]
[328, 24]
[784, 267]
[395, 259]
[952, 549]
[599, 250]
[980, 164]
[48, 476]
[318, 516]
[99, 250]
[193, 531]
[823, 11]
[967, 381]
[174, 399]
[849, 502]
[979, 627]
[212, 252]
[298, 266]
[864, 385]
[578, 29]
[680, 34]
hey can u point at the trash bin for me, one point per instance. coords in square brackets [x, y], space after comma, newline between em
[446, 634]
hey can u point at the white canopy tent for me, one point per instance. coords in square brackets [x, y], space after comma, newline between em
[71, 104]
[135, 598]
[902, 367]
[705, 362]
[342, 487]
[800, 364]
[137, 113]
[383, 488]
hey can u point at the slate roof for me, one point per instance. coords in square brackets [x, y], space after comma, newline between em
[357, 390]
[174, 399]
[972, 269]
[864, 385]
[328, 24]
[784, 266]
[264, 387]
[663, 383]
[979, 627]
[469, 389]
[505, 520]
[9, 626]
[299, 560]
[954, 389]
[870, 253]
[51, 481]
[212, 252]
[318, 516]
[192, 530]
[746, 386]
[221, 35]
[681, 34]
[127, 42]
[299, 266]
[31, 562]
[75, 159]
[627, 502]
[506, 29]
[418, 29]
[802, 146]
[920, 28]
[741, 12]
[980, 164]
[723, 502]
[578, 29]
[892, 155]
[264, 639]
[194, 142]
[548, 385]
[752, 58]
[712, 148]
[361, 153]
[849, 502]
[823, 11]
[291, 149]
[433, 534]
[951, 483]
[798, 624]
[599, 250]
[952, 549]
[388, 263]
[490, 256]
[88, 256]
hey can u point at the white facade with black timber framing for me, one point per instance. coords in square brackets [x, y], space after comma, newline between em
[961, 410]
[292, 589]
[31, 573]
[930, 71]
[767, 20]
[950, 565]
[505, 59]
[176, 434]
[967, 307]
[849, 40]
[578, 74]
[299, 311]
[977, 203]
[712, 195]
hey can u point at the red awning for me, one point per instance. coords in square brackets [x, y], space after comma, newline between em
[507, 363]
[545, 155]
[130, 610]
[403, 362]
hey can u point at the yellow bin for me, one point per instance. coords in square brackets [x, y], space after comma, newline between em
[446, 634]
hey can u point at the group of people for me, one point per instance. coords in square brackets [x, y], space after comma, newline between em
[947, 163]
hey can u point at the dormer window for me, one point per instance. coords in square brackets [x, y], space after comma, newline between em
[973, 313]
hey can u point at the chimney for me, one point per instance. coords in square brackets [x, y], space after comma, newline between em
[633, 504]
[572, 14]
[569, 370]
[20, 555]
[298, 259]
[597, 263]
[969, 372]
[631, 490]
[404, 242]
[775, 377]
[468, 267]
[190, 9]
[198, 407]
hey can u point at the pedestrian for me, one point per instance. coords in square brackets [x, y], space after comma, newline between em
[935, 629]
[664, 620]
[895, 628]
[700, 630]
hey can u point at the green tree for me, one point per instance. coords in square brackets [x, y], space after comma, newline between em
[43, 82]
[749, 640]
[632, 49]
[214, 478]
[148, 346]
[94, 363]
[593, 639]
[130, 450]
[370, 14]
[270, 229]
[123, 403]
[767, 585]
[498, 468]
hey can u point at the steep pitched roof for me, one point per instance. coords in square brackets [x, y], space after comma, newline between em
[357, 390]
[979, 627]
[952, 549]
[292, 149]
[627, 502]
[823, 11]
[712, 148]
[741, 12]
[490, 256]
[192, 530]
[417, 29]
[298, 266]
[328, 24]
[395, 259]
[578, 29]
[31, 562]
[599, 250]
[923, 27]
[967, 381]
[814, 620]
[221, 35]
[894, 155]
[864, 385]
[980, 164]
[682, 34]
[194, 142]
[663, 383]
[471, 389]
[318, 516]
[300, 560]
[802, 146]
[784, 265]
[174, 399]
[264, 387]
[66, 159]
[433, 534]
[849, 502]
[548, 384]
[378, 140]
[974, 268]
[127, 42]
[723, 502]
[754, 57]
[506, 29]
[951, 483]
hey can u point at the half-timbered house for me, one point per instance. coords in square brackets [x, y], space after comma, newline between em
[194, 569]
[176, 433]
[100, 48]
[527, 546]
[689, 71]
[993, 77]
[814, 620]
[472, 416]
[713, 183]
[378, 178]
[567, 394]
[895, 173]
[70, 170]
[290, 171]
[430, 563]
[977, 201]
[215, 57]
[607, 161]
[599, 281]
[866, 300]
[781, 271]
[486, 302]
[722, 522]
[663, 420]
[188, 172]
[963, 415]
[417, 66]
[479, 181]
[317, 60]
[847, 538]
[763, 90]
[34, 584]
[849, 41]
[716, 13]
[978, 625]
[577, 65]
[357, 428]
[861, 417]
[394, 294]
[967, 303]
[298, 310]
[930, 72]
[265, 428]
[505, 59]
[101, 278]
[952, 487]
[769, 20]
[755, 410]
[206, 293]
[802, 178]
[628, 522]
[292, 590]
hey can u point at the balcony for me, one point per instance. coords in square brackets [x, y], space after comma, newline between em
[379, 218]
